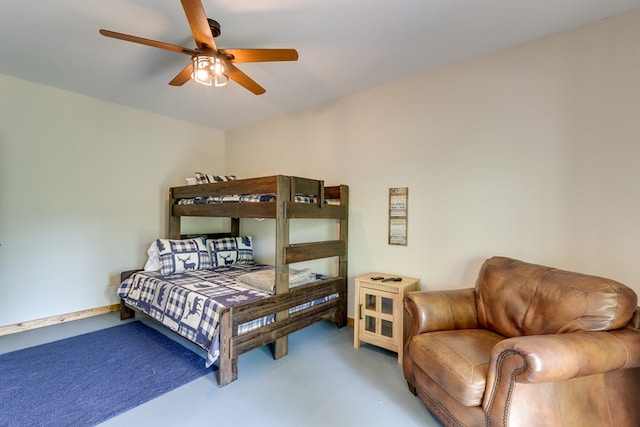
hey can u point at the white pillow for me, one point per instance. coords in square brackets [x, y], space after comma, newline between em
[153, 258]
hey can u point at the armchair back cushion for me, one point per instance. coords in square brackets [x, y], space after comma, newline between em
[515, 298]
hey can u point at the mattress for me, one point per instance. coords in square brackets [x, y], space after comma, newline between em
[191, 303]
[251, 198]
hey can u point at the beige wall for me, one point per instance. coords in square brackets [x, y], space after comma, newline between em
[83, 191]
[531, 152]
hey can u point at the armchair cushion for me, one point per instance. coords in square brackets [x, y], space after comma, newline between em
[515, 298]
[457, 361]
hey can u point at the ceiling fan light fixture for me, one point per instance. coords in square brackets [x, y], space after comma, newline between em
[209, 65]
[220, 80]
[209, 70]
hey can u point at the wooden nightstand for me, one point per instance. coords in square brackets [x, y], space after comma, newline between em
[379, 317]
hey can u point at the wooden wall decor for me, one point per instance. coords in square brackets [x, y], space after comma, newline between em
[398, 215]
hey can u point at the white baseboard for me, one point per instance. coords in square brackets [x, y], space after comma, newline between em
[53, 320]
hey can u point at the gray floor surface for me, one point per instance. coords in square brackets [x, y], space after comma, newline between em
[323, 381]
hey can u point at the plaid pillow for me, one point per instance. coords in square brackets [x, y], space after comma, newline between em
[203, 178]
[231, 250]
[177, 256]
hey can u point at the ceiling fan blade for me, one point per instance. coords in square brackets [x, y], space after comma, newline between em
[199, 24]
[147, 42]
[260, 55]
[183, 76]
[243, 80]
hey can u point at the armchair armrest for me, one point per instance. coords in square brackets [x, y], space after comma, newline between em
[437, 311]
[556, 357]
[544, 360]
[441, 310]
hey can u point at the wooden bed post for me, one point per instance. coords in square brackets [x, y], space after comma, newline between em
[343, 260]
[126, 312]
[174, 220]
[228, 366]
[235, 227]
[283, 194]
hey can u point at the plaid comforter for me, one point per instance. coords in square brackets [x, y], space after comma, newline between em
[251, 198]
[191, 303]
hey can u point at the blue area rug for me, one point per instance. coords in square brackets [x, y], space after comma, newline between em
[87, 379]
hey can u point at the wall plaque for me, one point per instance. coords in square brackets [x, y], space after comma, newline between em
[398, 215]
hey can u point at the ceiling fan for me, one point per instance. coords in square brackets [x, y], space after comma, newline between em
[210, 65]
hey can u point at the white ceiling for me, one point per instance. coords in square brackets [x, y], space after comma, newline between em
[345, 46]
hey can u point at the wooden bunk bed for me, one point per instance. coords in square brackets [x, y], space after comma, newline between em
[282, 208]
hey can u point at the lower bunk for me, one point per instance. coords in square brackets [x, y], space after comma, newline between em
[221, 311]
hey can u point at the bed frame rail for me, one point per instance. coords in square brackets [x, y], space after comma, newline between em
[284, 187]
[311, 291]
[233, 345]
[271, 332]
[299, 252]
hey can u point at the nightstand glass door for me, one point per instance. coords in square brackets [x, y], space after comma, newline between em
[376, 314]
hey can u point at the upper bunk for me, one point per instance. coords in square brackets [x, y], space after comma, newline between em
[289, 198]
[314, 199]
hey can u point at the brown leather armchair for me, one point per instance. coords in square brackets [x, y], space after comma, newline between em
[528, 346]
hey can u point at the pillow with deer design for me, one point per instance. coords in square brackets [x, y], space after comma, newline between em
[177, 256]
[231, 250]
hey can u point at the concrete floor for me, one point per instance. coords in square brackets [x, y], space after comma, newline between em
[323, 381]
